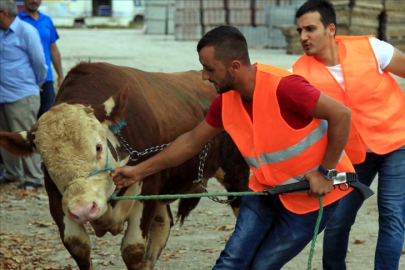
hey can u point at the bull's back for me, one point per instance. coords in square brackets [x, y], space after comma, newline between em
[177, 99]
[168, 103]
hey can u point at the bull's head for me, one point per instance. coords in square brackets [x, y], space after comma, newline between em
[74, 142]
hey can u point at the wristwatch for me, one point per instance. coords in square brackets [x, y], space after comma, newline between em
[329, 174]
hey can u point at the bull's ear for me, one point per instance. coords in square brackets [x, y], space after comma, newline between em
[114, 107]
[20, 144]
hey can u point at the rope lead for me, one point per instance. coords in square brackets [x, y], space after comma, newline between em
[199, 195]
[318, 222]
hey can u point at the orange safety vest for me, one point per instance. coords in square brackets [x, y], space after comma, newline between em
[277, 153]
[376, 100]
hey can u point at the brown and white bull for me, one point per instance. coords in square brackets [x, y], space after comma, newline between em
[75, 141]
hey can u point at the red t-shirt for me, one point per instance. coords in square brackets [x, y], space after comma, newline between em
[296, 97]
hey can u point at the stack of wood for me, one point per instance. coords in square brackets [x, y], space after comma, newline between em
[358, 17]
[343, 16]
[194, 18]
[239, 12]
[213, 14]
[365, 17]
[159, 16]
[292, 39]
[394, 23]
[187, 20]
[259, 11]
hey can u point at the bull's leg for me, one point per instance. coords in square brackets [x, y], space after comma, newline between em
[77, 242]
[134, 243]
[73, 235]
[235, 180]
[159, 234]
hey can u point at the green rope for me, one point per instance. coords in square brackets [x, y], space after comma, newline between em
[200, 195]
[318, 222]
[182, 196]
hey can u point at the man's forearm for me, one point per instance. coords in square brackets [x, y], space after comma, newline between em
[338, 134]
[56, 60]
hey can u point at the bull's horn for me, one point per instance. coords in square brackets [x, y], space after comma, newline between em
[115, 105]
[109, 105]
[34, 128]
[88, 109]
[113, 108]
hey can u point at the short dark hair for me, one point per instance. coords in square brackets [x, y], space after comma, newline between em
[228, 42]
[324, 7]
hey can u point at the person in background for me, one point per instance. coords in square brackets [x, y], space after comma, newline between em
[49, 36]
[22, 70]
[355, 70]
[286, 129]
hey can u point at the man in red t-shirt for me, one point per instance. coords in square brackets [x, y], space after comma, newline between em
[267, 234]
[297, 99]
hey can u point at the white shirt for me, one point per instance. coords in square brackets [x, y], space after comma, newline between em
[383, 52]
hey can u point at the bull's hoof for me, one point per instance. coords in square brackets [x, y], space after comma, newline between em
[80, 252]
[133, 256]
[87, 266]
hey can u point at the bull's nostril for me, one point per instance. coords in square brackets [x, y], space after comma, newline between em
[94, 208]
[85, 212]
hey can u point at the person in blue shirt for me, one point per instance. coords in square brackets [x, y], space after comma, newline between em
[22, 70]
[48, 34]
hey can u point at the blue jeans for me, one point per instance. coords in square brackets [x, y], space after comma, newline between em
[47, 97]
[391, 207]
[267, 235]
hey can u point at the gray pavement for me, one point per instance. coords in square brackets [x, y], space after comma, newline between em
[158, 53]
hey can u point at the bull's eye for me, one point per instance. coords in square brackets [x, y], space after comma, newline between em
[99, 148]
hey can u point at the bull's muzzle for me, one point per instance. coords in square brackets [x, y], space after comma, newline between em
[84, 213]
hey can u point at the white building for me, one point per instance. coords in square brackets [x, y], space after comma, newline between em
[92, 12]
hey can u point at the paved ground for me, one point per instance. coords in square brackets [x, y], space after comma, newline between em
[198, 243]
[147, 52]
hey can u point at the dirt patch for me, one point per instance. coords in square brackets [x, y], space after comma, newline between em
[30, 240]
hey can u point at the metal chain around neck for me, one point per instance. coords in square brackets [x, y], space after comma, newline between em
[202, 157]
[153, 149]
[139, 154]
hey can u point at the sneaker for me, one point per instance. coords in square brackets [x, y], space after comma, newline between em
[29, 184]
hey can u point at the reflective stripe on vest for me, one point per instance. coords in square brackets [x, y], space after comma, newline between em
[376, 100]
[292, 151]
[294, 179]
[297, 148]
[276, 153]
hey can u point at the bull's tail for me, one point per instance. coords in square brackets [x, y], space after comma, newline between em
[185, 207]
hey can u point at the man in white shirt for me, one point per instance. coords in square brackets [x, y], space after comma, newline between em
[356, 72]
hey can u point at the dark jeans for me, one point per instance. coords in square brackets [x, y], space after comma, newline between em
[47, 97]
[391, 208]
[267, 235]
